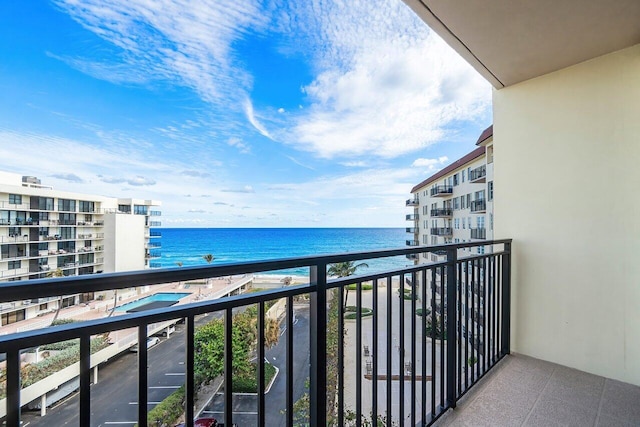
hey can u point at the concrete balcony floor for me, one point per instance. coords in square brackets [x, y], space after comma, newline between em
[523, 391]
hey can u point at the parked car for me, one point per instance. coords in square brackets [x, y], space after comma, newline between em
[151, 341]
[204, 422]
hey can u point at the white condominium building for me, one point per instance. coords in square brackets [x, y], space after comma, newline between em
[455, 205]
[45, 232]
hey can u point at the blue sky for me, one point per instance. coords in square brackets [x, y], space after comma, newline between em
[235, 113]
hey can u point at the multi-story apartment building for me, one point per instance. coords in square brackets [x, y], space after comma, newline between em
[455, 205]
[45, 232]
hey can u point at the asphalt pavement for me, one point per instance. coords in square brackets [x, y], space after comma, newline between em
[114, 397]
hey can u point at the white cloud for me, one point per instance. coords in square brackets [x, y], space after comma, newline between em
[248, 110]
[67, 177]
[422, 162]
[280, 110]
[385, 85]
[245, 189]
[297, 162]
[241, 146]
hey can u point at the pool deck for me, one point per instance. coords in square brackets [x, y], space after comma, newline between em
[215, 288]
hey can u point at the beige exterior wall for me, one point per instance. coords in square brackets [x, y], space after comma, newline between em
[126, 239]
[567, 168]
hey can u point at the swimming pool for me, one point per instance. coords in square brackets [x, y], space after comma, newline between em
[168, 298]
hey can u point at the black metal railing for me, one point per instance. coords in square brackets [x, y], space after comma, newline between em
[412, 202]
[478, 173]
[441, 212]
[412, 217]
[441, 190]
[412, 243]
[412, 229]
[478, 233]
[405, 323]
[442, 231]
[479, 205]
[155, 234]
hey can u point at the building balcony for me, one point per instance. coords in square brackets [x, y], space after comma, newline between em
[441, 213]
[442, 231]
[478, 233]
[153, 245]
[413, 243]
[479, 206]
[155, 234]
[421, 386]
[413, 230]
[441, 191]
[413, 202]
[478, 174]
[412, 217]
[413, 257]
[153, 254]
[155, 223]
[155, 213]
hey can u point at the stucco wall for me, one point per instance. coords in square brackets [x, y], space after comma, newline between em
[567, 173]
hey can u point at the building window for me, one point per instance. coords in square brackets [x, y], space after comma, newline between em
[456, 179]
[490, 188]
[14, 231]
[66, 205]
[67, 232]
[124, 208]
[491, 221]
[86, 206]
[15, 199]
[468, 200]
[45, 203]
[463, 173]
[43, 307]
[456, 223]
[43, 231]
[14, 265]
[13, 317]
[464, 223]
[456, 203]
[140, 209]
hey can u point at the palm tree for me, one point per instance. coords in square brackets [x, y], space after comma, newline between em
[345, 269]
[209, 258]
[56, 273]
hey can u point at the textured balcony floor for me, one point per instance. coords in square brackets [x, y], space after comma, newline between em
[523, 391]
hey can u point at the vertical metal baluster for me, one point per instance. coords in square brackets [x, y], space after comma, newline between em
[13, 387]
[460, 364]
[142, 375]
[423, 336]
[341, 358]
[389, 347]
[358, 354]
[374, 349]
[467, 314]
[495, 308]
[452, 303]
[289, 350]
[228, 367]
[85, 380]
[489, 303]
[434, 312]
[507, 298]
[476, 311]
[443, 359]
[318, 344]
[413, 348]
[485, 353]
[500, 305]
[260, 364]
[190, 371]
[401, 351]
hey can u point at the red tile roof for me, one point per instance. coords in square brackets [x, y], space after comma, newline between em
[487, 133]
[453, 166]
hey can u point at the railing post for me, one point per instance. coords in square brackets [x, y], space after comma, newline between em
[318, 347]
[452, 304]
[506, 299]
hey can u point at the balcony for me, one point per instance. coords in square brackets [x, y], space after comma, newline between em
[412, 217]
[442, 231]
[479, 206]
[153, 254]
[413, 202]
[478, 175]
[441, 213]
[441, 191]
[155, 234]
[155, 213]
[346, 356]
[412, 243]
[413, 230]
[413, 257]
[478, 233]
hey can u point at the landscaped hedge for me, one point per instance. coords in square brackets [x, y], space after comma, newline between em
[249, 383]
[354, 287]
[167, 412]
[351, 312]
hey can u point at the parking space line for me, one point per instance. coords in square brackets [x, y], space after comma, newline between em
[234, 412]
[148, 403]
[166, 386]
[174, 373]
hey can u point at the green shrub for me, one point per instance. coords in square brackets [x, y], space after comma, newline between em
[419, 312]
[62, 345]
[249, 383]
[62, 322]
[354, 287]
[168, 411]
[364, 312]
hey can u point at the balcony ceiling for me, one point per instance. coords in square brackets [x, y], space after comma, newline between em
[511, 41]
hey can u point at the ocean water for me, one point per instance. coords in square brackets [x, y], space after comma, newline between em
[188, 245]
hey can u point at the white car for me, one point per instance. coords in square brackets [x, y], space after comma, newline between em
[151, 341]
